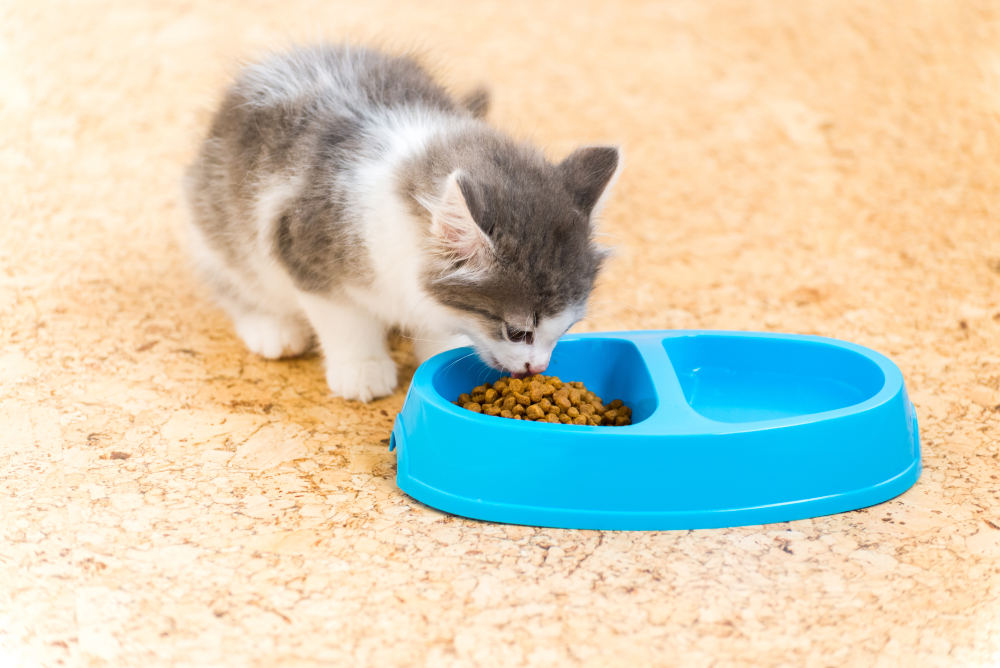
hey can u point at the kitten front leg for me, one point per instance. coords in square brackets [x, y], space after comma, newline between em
[358, 365]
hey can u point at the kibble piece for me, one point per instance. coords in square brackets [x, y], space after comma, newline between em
[554, 410]
[555, 382]
[545, 404]
[492, 410]
[579, 419]
[552, 418]
[573, 412]
[598, 407]
[491, 395]
[516, 385]
[563, 402]
[587, 409]
[509, 402]
[523, 399]
[536, 394]
[617, 403]
[464, 399]
[478, 398]
[506, 413]
[534, 412]
[622, 422]
[565, 419]
[548, 390]
[595, 420]
[575, 396]
[473, 406]
[610, 414]
[518, 410]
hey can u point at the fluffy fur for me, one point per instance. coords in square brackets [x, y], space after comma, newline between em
[342, 191]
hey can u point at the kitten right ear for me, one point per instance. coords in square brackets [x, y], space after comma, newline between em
[453, 226]
[589, 173]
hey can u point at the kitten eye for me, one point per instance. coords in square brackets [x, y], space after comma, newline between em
[516, 335]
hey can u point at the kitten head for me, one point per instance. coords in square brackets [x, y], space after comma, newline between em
[512, 248]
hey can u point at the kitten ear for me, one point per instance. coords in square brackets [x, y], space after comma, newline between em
[454, 227]
[589, 173]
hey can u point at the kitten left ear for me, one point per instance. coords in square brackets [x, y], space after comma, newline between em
[590, 173]
[454, 227]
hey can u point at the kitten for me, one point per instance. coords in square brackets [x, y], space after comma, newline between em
[342, 191]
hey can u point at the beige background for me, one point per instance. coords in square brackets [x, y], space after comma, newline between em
[168, 499]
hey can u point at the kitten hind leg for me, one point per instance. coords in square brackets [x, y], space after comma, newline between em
[358, 365]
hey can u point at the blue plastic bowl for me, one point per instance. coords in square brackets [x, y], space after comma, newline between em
[729, 429]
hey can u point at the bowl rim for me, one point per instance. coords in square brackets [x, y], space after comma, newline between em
[423, 383]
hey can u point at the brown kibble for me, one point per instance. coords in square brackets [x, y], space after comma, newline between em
[540, 398]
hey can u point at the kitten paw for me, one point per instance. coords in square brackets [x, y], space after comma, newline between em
[362, 381]
[272, 337]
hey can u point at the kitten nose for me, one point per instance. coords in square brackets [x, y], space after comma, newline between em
[538, 368]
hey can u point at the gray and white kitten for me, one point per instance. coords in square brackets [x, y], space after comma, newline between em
[342, 191]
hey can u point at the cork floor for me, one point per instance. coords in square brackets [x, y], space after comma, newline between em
[167, 499]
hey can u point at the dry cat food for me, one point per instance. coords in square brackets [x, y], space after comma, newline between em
[545, 399]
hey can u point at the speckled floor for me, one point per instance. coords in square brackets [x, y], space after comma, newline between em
[167, 499]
